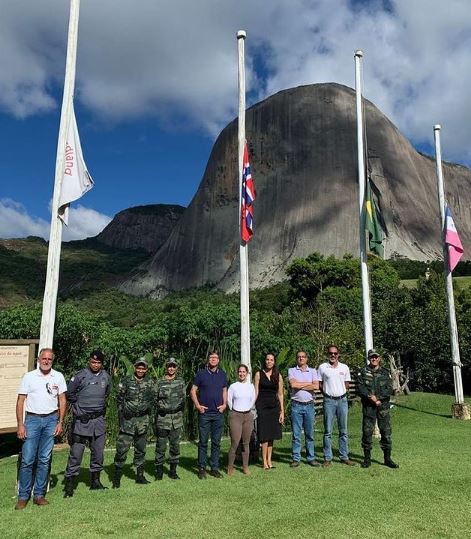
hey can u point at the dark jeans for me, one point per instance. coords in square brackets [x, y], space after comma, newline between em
[210, 424]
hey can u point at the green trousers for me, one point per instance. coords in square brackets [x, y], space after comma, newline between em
[370, 416]
[123, 444]
[172, 436]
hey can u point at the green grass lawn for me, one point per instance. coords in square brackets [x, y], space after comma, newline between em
[428, 496]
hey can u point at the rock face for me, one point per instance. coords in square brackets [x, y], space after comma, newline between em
[303, 149]
[146, 227]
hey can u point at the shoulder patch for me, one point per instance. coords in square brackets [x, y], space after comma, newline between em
[72, 379]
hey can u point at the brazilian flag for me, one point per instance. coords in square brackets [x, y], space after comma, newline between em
[372, 224]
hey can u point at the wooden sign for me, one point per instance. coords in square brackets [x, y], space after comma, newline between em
[17, 357]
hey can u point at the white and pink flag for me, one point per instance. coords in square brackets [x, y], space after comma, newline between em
[76, 180]
[452, 240]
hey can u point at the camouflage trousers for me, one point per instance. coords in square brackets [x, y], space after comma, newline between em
[123, 444]
[370, 416]
[173, 437]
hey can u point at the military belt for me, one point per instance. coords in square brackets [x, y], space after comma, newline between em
[141, 414]
[90, 415]
[168, 412]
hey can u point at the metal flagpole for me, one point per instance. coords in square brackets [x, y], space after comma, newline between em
[54, 252]
[244, 266]
[459, 409]
[368, 328]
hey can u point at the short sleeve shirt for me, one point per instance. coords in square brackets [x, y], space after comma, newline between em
[210, 387]
[42, 390]
[333, 379]
[309, 375]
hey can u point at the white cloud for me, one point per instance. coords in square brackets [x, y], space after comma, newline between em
[84, 223]
[15, 222]
[177, 59]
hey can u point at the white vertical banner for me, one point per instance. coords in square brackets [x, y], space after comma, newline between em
[76, 180]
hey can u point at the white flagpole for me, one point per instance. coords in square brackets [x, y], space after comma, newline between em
[460, 409]
[244, 265]
[365, 286]
[53, 258]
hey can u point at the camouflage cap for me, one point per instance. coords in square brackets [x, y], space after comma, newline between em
[171, 361]
[141, 361]
[372, 352]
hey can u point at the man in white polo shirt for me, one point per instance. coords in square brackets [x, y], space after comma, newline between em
[334, 384]
[40, 410]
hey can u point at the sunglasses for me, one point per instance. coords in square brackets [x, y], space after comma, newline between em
[333, 353]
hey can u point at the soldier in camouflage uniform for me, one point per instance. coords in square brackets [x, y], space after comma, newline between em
[375, 389]
[170, 397]
[135, 399]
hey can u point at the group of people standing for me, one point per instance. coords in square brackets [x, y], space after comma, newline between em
[43, 396]
[41, 408]
[211, 396]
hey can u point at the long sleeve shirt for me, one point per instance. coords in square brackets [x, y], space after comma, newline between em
[241, 396]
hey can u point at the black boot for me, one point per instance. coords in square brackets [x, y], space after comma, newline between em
[69, 487]
[140, 478]
[388, 461]
[95, 483]
[159, 472]
[173, 471]
[366, 459]
[118, 472]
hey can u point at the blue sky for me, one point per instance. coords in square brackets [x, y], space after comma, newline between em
[157, 81]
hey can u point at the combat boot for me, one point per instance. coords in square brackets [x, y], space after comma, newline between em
[95, 483]
[116, 481]
[173, 471]
[388, 461]
[69, 487]
[159, 472]
[366, 459]
[140, 478]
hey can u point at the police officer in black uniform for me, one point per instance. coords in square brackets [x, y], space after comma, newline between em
[87, 392]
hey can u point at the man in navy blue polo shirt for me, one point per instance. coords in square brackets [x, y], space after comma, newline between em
[209, 395]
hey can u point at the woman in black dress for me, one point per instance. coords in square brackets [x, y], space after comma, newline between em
[270, 407]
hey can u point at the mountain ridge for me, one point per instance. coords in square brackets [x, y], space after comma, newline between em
[303, 149]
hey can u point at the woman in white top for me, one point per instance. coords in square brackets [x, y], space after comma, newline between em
[240, 399]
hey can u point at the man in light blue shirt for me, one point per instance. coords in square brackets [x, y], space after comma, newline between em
[303, 381]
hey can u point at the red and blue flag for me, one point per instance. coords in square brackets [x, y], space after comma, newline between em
[247, 199]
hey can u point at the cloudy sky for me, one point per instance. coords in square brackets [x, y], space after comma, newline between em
[157, 81]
